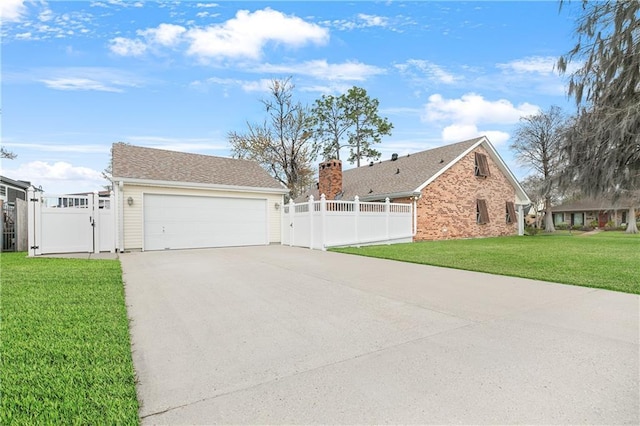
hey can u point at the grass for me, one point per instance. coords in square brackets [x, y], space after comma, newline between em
[609, 260]
[66, 356]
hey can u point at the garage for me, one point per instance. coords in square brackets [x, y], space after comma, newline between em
[180, 222]
[176, 200]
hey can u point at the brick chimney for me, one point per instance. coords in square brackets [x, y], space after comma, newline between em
[330, 179]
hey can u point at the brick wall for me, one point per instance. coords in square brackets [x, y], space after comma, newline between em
[330, 178]
[447, 208]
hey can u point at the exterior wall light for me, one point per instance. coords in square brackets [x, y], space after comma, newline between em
[277, 206]
[130, 201]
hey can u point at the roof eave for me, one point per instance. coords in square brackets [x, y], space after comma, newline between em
[390, 195]
[196, 185]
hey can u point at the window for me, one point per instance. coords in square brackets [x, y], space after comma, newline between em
[482, 166]
[3, 190]
[511, 212]
[577, 219]
[558, 218]
[482, 214]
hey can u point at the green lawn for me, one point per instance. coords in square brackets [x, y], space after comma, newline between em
[609, 260]
[64, 343]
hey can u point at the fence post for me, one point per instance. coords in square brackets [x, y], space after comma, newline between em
[292, 210]
[311, 205]
[356, 216]
[93, 205]
[520, 220]
[112, 198]
[34, 219]
[387, 210]
[323, 217]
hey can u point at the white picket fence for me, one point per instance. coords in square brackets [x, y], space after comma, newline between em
[328, 223]
[70, 223]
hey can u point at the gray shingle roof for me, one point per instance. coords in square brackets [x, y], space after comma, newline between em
[135, 162]
[402, 176]
[595, 204]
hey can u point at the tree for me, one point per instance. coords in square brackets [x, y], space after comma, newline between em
[330, 125]
[281, 144]
[602, 147]
[537, 144]
[6, 154]
[349, 120]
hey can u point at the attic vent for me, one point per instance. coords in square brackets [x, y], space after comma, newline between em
[397, 171]
[441, 161]
[370, 191]
[371, 164]
[394, 156]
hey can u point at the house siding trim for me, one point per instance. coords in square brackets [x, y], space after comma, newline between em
[195, 185]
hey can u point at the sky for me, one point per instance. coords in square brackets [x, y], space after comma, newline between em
[78, 76]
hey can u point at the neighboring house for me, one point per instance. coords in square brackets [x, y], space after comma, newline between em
[463, 190]
[13, 220]
[11, 189]
[174, 200]
[601, 210]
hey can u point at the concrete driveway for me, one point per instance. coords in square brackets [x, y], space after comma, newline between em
[275, 335]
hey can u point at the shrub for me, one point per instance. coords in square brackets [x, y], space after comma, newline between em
[531, 230]
[577, 227]
[562, 226]
[593, 224]
[586, 228]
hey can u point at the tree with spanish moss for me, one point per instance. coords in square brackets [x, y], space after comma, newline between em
[602, 147]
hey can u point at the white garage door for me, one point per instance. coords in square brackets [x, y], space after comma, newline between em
[179, 222]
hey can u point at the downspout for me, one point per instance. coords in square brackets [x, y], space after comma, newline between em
[415, 216]
[120, 216]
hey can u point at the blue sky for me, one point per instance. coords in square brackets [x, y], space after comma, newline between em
[78, 76]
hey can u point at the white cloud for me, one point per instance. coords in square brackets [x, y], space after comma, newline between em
[472, 108]
[207, 5]
[247, 34]
[12, 10]
[373, 20]
[533, 64]
[262, 85]
[468, 116]
[244, 36]
[87, 78]
[59, 177]
[127, 47]
[78, 84]
[423, 72]
[461, 132]
[321, 69]
[164, 34]
[52, 147]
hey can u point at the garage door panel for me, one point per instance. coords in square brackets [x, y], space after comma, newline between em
[176, 222]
